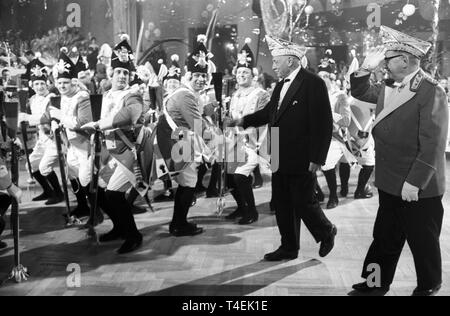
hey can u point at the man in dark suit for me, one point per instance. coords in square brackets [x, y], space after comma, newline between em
[410, 134]
[300, 112]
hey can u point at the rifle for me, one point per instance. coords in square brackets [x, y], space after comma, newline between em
[11, 111]
[56, 102]
[218, 89]
[4, 129]
[23, 100]
[95, 155]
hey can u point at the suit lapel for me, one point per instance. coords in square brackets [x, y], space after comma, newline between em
[293, 89]
[395, 102]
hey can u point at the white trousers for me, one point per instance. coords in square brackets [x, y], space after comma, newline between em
[336, 154]
[43, 144]
[250, 165]
[188, 178]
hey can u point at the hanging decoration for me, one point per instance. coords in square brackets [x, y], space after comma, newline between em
[407, 11]
[284, 18]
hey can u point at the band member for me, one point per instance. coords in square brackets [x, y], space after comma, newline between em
[121, 121]
[341, 121]
[247, 100]
[301, 111]
[44, 152]
[182, 108]
[75, 112]
[410, 133]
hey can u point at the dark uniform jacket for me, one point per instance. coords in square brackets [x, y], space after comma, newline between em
[410, 134]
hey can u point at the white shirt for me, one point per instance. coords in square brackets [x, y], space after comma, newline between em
[287, 84]
[392, 93]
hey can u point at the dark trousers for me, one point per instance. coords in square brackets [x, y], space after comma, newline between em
[294, 201]
[418, 223]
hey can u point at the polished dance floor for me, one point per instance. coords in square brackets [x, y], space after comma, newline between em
[224, 261]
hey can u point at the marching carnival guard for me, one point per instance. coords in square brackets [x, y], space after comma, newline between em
[74, 112]
[130, 150]
[410, 133]
[171, 82]
[300, 109]
[44, 152]
[246, 100]
[360, 142]
[338, 151]
[182, 113]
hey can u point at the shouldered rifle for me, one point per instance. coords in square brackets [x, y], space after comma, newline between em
[95, 156]
[218, 89]
[23, 102]
[56, 102]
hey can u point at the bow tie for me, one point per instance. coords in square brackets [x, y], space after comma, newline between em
[286, 80]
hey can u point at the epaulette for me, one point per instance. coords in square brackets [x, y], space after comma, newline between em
[416, 82]
[421, 76]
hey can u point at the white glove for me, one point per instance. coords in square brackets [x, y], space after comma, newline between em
[55, 126]
[16, 193]
[410, 193]
[55, 113]
[374, 58]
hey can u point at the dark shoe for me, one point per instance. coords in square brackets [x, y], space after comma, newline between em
[113, 235]
[365, 289]
[130, 245]
[56, 199]
[100, 218]
[43, 197]
[332, 203]
[344, 190]
[236, 214]
[3, 245]
[428, 292]
[366, 194]
[327, 245]
[259, 183]
[249, 219]
[280, 255]
[81, 211]
[188, 230]
[166, 197]
[212, 193]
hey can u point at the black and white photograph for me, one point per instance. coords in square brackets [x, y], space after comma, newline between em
[227, 153]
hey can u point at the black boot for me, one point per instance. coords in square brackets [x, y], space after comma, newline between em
[199, 188]
[363, 190]
[58, 195]
[239, 212]
[82, 209]
[116, 232]
[330, 176]
[344, 174]
[212, 191]
[179, 226]
[259, 182]
[48, 192]
[133, 238]
[244, 186]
